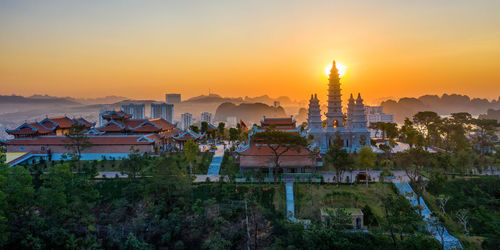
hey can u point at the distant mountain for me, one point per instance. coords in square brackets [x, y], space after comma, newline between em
[248, 112]
[213, 98]
[101, 100]
[444, 105]
[491, 114]
[36, 99]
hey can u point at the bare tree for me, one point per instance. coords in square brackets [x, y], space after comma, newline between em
[442, 200]
[463, 217]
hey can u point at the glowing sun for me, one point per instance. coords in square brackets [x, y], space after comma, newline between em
[340, 67]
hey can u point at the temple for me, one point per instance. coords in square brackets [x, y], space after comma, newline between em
[114, 139]
[350, 131]
[257, 156]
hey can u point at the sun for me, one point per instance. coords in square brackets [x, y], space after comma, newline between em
[340, 67]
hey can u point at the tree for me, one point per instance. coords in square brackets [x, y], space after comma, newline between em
[413, 162]
[442, 200]
[485, 136]
[338, 158]
[220, 129]
[191, 150]
[280, 142]
[234, 134]
[204, 127]
[134, 164]
[427, 122]
[410, 135]
[463, 218]
[400, 217]
[366, 159]
[78, 140]
[194, 128]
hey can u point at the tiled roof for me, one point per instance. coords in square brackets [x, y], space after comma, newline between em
[264, 150]
[29, 129]
[63, 122]
[162, 123]
[95, 140]
[278, 123]
[187, 135]
[115, 115]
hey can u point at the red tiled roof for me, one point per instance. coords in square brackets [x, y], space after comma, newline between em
[162, 123]
[278, 123]
[29, 129]
[111, 115]
[264, 150]
[112, 126]
[63, 122]
[96, 140]
[84, 122]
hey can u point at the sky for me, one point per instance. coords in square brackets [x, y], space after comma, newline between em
[144, 49]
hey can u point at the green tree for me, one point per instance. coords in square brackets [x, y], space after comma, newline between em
[194, 128]
[78, 140]
[221, 129]
[339, 159]
[413, 162]
[134, 164]
[204, 127]
[410, 135]
[280, 142]
[234, 134]
[366, 159]
[427, 122]
[191, 150]
[400, 217]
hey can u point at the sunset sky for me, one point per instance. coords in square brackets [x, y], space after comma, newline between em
[143, 49]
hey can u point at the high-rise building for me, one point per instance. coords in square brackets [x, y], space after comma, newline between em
[162, 110]
[137, 111]
[376, 114]
[231, 121]
[172, 98]
[206, 117]
[186, 121]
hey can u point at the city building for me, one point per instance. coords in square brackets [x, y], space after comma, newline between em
[352, 132]
[375, 114]
[206, 117]
[163, 111]
[186, 121]
[173, 98]
[258, 156]
[137, 111]
[231, 121]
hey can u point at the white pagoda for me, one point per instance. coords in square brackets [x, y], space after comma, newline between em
[350, 131]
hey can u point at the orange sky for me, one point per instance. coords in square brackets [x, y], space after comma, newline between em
[144, 49]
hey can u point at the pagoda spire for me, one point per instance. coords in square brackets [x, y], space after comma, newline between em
[334, 73]
[334, 115]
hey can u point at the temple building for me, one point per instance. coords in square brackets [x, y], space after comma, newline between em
[114, 139]
[350, 130]
[257, 156]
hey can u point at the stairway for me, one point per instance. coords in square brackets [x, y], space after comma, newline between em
[450, 242]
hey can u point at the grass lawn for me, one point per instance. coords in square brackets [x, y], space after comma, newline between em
[200, 164]
[310, 198]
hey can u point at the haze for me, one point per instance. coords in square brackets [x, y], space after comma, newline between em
[142, 49]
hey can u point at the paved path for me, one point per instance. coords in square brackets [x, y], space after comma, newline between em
[290, 204]
[214, 167]
[450, 242]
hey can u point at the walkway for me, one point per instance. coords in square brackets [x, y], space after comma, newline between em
[290, 204]
[214, 167]
[450, 242]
